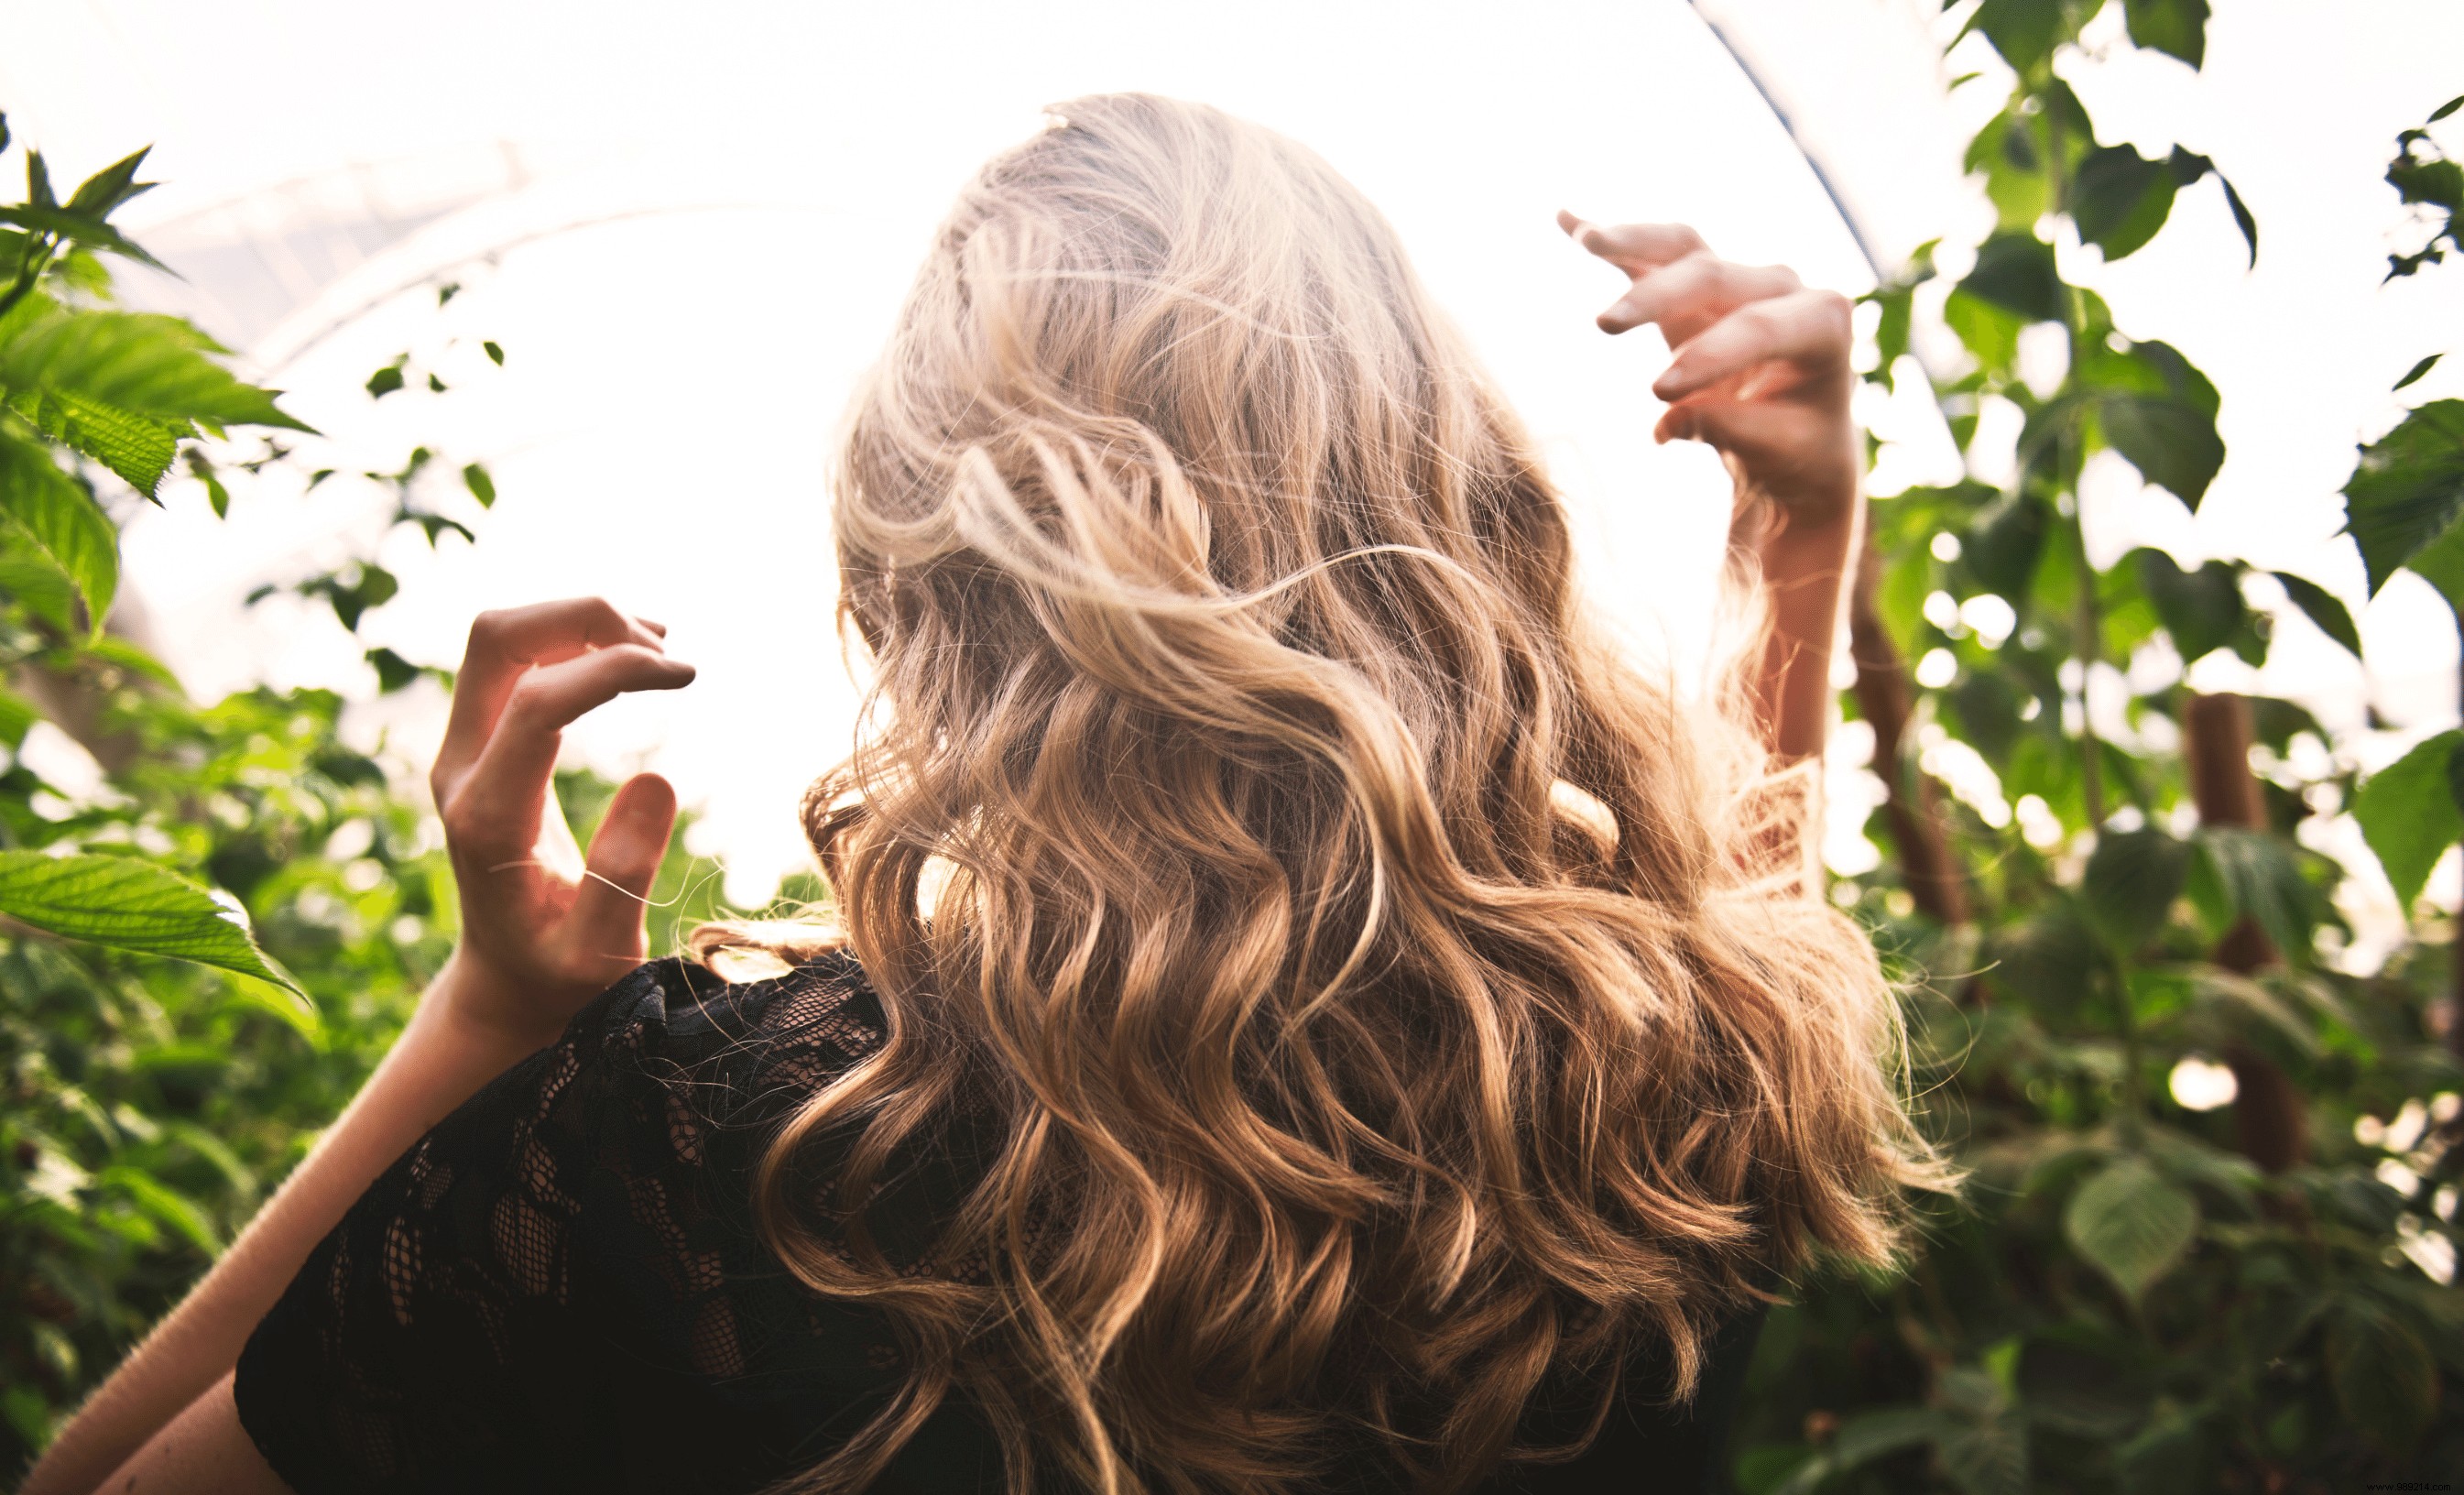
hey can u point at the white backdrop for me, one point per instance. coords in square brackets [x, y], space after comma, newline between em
[758, 178]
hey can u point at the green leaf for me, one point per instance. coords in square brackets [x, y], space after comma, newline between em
[2407, 489]
[2176, 28]
[57, 522]
[79, 228]
[2408, 815]
[2435, 115]
[2133, 1223]
[2385, 1381]
[2203, 609]
[216, 495]
[2015, 271]
[1988, 1457]
[387, 379]
[2323, 607]
[2418, 369]
[371, 586]
[2131, 880]
[139, 450]
[2026, 32]
[16, 714]
[393, 671]
[102, 193]
[2261, 882]
[496, 354]
[2049, 958]
[150, 366]
[2003, 547]
[163, 1204]
[482, 487]
[129, 904]
[2173, 444]
[2121, 199]
[2242, 217]
[39, 182]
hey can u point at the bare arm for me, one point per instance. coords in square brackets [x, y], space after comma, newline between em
[541, 936]
[1761, 372]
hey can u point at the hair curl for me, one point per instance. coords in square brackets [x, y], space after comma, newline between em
[1355, 994]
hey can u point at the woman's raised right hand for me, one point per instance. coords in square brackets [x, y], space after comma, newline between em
[543, 927]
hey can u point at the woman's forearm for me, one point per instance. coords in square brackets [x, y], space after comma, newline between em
[441, 1059]
[1807, 569]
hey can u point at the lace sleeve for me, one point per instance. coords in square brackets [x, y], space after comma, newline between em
[571, 1244]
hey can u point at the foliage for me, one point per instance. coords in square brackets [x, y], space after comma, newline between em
[146, 1105]
[2131, 1294]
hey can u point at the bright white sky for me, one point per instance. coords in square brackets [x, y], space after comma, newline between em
[661, 429]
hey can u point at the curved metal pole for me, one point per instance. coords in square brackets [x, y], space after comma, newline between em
[1848, 216]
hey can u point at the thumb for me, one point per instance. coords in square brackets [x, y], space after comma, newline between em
[625, 856]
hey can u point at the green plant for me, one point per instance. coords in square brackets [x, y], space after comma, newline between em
[2090, 888]
[147, 1104]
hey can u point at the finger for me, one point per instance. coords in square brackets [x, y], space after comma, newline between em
[1634, 247]
[497, 808]
[1692, 293]
[1775, 440]
[624, 856]
[1809, 329]
[506, 642]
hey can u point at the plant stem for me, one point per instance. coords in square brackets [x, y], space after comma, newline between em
[2086, 625]
[2456, 950]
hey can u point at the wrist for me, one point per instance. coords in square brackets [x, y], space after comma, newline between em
[481, 1008]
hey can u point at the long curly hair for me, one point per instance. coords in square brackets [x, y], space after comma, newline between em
[1342, 995]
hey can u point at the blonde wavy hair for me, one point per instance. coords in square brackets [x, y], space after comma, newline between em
[1353, 996]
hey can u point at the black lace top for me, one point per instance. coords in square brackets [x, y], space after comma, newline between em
[559, 1286]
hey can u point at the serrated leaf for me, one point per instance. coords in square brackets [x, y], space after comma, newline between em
[155, 367]
[2385, 1381]
[138, 449]
[133, 905]
[57, 523]
[2408, 815]
[2133, 1223]
[2261, 882]
[2407, 489]
[2323, 607]
[2132, 878]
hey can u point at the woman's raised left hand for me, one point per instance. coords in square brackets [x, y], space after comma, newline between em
[1761, 368]
[544, 929]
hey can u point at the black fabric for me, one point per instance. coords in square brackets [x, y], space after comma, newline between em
[559, 1286]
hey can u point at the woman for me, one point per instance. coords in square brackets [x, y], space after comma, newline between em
[1300, 1012]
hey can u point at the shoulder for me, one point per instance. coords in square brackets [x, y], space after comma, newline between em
[731, 1051]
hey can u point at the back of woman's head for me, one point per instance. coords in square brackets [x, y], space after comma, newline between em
[1354, 996]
